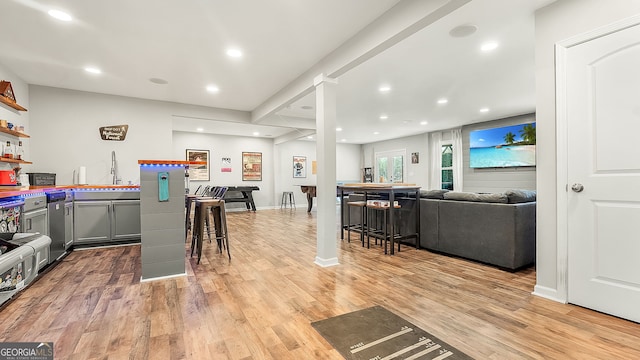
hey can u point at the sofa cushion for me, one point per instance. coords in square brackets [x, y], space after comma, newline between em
[520, 196]
[433, 194]
[467, 196]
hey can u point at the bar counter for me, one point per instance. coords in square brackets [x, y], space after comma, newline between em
[6, 191]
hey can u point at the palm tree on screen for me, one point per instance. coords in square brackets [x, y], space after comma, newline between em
[528, 133]
[509, 137]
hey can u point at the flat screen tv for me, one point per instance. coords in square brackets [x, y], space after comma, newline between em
[508, 146]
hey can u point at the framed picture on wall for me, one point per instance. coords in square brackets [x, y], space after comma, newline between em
[226, 164]
[299, 166]
[251, 166]
[198, 172]
[415, 158]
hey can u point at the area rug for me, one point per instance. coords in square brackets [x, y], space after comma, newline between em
[376, 333]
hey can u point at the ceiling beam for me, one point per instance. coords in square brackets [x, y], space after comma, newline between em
[293, 135]
[395, 25]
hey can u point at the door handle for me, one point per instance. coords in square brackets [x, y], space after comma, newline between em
[577, 187]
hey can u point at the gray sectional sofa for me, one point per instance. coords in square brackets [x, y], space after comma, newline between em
[497, 229]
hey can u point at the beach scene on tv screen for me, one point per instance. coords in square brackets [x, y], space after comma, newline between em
[507, 146]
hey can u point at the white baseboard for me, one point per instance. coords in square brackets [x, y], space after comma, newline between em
[326, 262]
[162, 277]
[548, 293]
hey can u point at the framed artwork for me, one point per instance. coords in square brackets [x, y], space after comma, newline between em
[314, 167]
[226, 165]
[299, 166]
[368, 175]
[198, 172]
[415, 158]
[251, 166]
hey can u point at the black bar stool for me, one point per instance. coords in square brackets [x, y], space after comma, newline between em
[382, 233]
[362, 227]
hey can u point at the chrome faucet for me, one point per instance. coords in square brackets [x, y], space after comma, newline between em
[113, 166]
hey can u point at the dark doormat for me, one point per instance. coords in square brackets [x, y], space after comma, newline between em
[376, 333]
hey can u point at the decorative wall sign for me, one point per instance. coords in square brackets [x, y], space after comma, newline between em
[8, 97]
[114, 132]
[299, 166]
[314, 167]
[226, 165]
[251, 166]
[198, 172]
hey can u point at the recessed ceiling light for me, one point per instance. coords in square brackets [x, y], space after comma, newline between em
[484, 110]
[424, 122]
[60, 15]
[442, 101]
[309, 137]
[93, 70]
[234, 53]
[489, 46]
[159, 81]
[212, 88]
[343, 140]
[255, 133]
[338, 129]
[376, 132]
[384, 88]
[463, 30]
[384, 117]
[199, 129]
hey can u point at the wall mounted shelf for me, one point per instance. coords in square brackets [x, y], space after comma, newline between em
[12, 104]
[14, 161]
[13, 132]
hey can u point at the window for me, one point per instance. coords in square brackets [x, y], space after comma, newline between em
[390, 166]
[447, 166]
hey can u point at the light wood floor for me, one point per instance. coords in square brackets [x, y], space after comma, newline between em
[260, 305]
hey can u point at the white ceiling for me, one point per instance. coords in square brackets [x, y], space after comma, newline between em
[184, 43]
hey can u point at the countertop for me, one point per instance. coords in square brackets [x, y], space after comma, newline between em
[9, 191]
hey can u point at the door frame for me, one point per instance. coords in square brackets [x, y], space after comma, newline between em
[562, 151]
[403, 152]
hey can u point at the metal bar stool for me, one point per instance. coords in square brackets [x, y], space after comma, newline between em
[188, 203]
[362, 227]
[220, 219]
[287, 195]
[384, 232]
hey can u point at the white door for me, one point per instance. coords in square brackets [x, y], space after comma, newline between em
[603, 132]
[390, 166]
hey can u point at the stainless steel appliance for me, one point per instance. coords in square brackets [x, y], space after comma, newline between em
[57, 224]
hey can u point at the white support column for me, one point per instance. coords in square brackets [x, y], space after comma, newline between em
[326, 175]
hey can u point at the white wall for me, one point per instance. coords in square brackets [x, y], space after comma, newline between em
[348, 167]
[554, 23]
[220, 146]
[21, 92]
[64, 132]
[65, 135]
[496, 179]
[416, 173]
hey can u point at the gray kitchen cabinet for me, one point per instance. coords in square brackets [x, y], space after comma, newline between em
[106, 216]
[92, 222]
[125, 219]
[36, 222]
